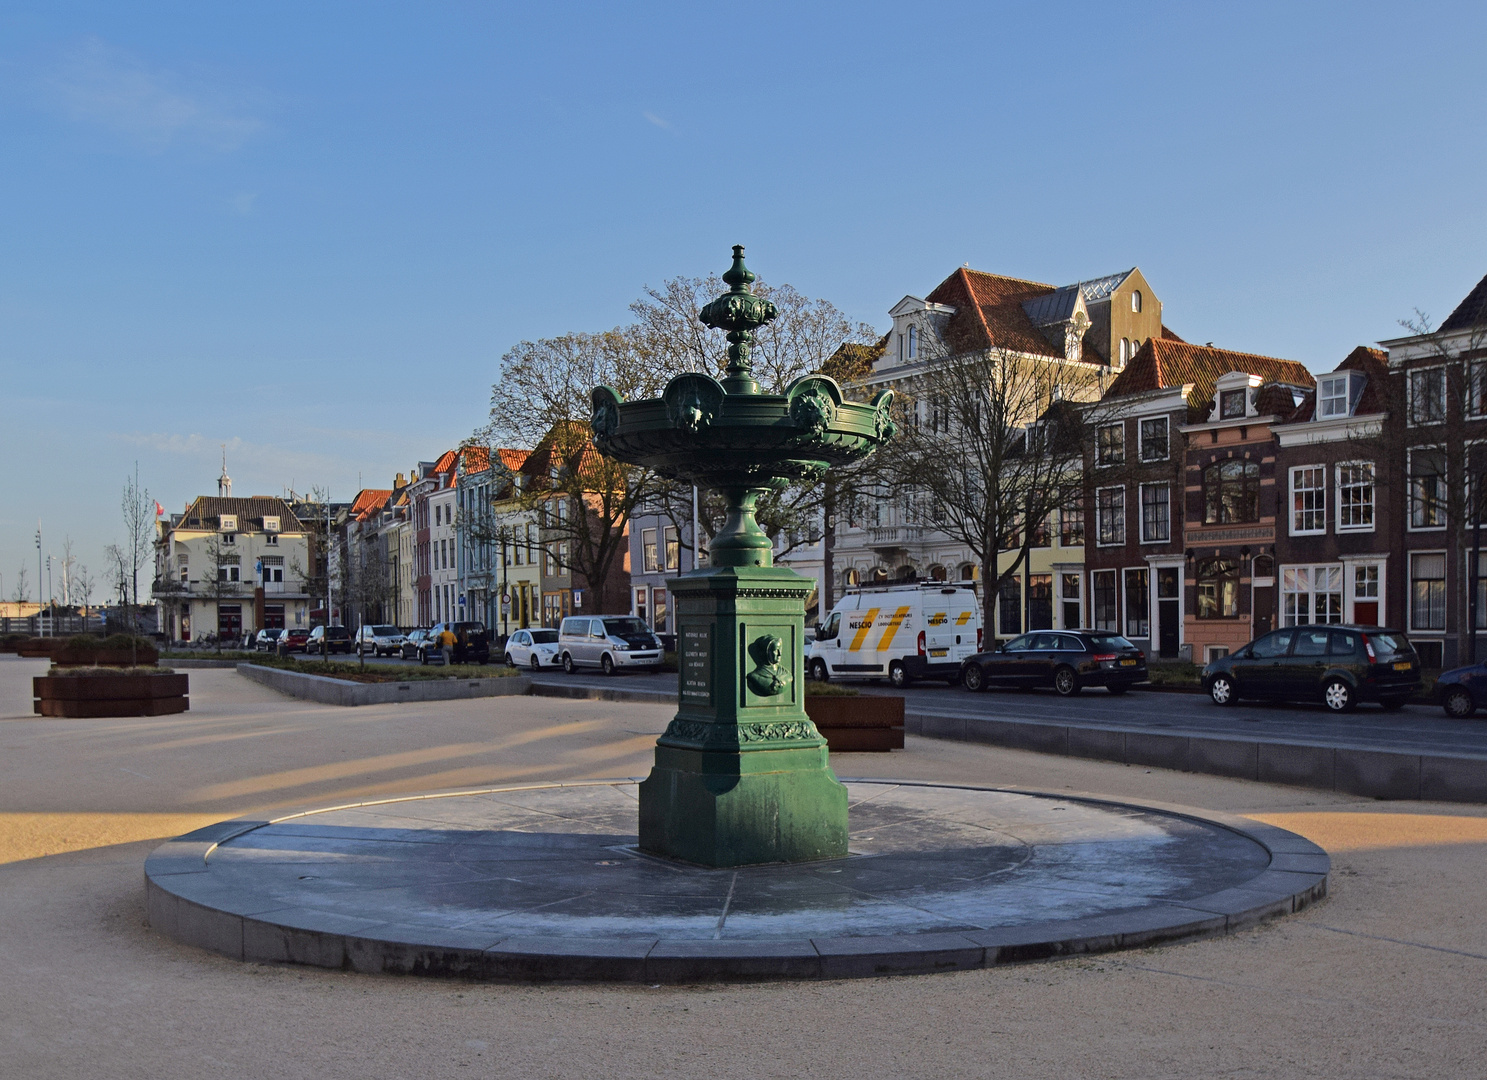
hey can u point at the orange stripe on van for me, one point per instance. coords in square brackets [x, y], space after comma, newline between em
[886, 641]
[861, 635]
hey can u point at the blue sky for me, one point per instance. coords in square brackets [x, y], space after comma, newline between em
[309, 231]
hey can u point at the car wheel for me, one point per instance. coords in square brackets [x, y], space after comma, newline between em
[568, 663]
[1222, 691]
[1459, 704]
[1338, 696]
[973, 678]
[507, 660]
[423, 658]
[1066, 681]
[818, 670]
[898, 676]
[1117, 690]
[536, 663]
[606, 664]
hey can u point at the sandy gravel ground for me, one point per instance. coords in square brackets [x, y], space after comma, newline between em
[1387, 978]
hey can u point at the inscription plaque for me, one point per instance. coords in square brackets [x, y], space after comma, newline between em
[697, 664]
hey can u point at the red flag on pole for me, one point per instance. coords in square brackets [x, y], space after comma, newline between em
[158, 508]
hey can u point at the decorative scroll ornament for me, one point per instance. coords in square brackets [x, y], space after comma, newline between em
[883, 420]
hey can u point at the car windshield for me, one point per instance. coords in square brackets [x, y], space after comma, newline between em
[1109, 641]
[337, 632]
[1387, 645]
[626, 626]
[544, 637]
[384, 631]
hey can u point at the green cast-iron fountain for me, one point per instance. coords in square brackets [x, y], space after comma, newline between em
[741, 775]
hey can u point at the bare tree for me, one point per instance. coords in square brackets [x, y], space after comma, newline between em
[21, 594]
[989, 442]
[224, 574]
[82, 585]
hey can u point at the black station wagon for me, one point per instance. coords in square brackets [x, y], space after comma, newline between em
[1067, 660]
[1336, 665]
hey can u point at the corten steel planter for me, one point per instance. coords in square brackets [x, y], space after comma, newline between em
[38, 647]
[65, 657]
[858, 723]
[110, 695]
[740, 775]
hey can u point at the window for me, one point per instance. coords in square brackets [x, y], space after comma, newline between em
[1071, 520]
[1427, 388]
[1332, 396]
[1365, 595]
[1231, 492]
[1040, 602]
[1110, 515]
[673, 550]
[1138, 620]
[1232, 404]
[1481, 590]
[1156, 513]
[1110, 444]
[1308, 499]
[1125, 351]
[913, 342]
[1273, 645]
[1311, 594]
[1136, 300]
[1102, 591]
[1041, 536]
[1428, 591]
[660, 597]
[648, 551]
[229, 538]
[1218, 589]
[1009, 606]
[1427, 486]
[1476, 388]
[229, 573]
[1154, 439]
[1355, 496]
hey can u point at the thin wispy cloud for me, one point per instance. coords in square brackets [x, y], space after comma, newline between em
[108, 87]
[244, 202]
[662, 124]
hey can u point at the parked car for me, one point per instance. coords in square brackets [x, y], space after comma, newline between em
[471, 642]
[1067, 660]
[413, 644]
[535, 649]
[293, 640]
[1336, 665]
[1462, 690]
[607, 642]
[379, 640]
[265, 640]
[906, 632]
[329, 639]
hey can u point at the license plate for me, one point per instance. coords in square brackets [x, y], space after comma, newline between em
[1403, 665]
[1128, 663]
[939, 652]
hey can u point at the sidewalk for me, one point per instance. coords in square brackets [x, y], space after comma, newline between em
[1382, 979]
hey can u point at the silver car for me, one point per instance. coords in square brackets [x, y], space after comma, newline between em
[607, 642]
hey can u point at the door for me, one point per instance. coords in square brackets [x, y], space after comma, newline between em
[1043, 656]
[1073, 615]
[1264, 597]
[1259, 667]
[1169, 613]
[229, 621]
[273, 616]
[1014, 664]
[598, 640]
[828, 645]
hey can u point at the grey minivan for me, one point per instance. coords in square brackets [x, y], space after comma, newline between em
[607, 642]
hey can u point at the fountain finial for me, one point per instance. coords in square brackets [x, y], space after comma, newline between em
[739, 312]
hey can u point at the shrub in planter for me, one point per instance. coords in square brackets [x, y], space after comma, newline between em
[110, 691]
[11, 642]
[120, 650]
[38, 646]
[852, 722]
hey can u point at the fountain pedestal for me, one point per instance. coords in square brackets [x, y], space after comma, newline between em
[741, 773]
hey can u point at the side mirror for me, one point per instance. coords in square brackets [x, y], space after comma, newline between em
[820, 632]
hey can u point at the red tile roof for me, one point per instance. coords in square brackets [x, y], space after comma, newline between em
[368, 501]
[989, 312]
[1164, 363]
[513, 459]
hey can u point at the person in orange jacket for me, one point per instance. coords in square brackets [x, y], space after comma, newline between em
[446, 645]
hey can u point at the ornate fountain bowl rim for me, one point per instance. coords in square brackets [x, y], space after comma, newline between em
[697, 430]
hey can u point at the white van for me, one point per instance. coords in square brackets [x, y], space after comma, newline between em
[905, 632]
[607, 642]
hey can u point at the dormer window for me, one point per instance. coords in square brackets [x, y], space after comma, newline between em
[1136, 300]
[1332, 397]
[1232, 404]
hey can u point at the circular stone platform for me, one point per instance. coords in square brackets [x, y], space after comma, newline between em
[544, 882]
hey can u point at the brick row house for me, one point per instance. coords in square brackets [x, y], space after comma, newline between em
[1180, 495]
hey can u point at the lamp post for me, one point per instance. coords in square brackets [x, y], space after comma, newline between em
[1474, 572]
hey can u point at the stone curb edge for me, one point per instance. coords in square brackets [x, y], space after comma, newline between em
[328, 691]
[1296, 878]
